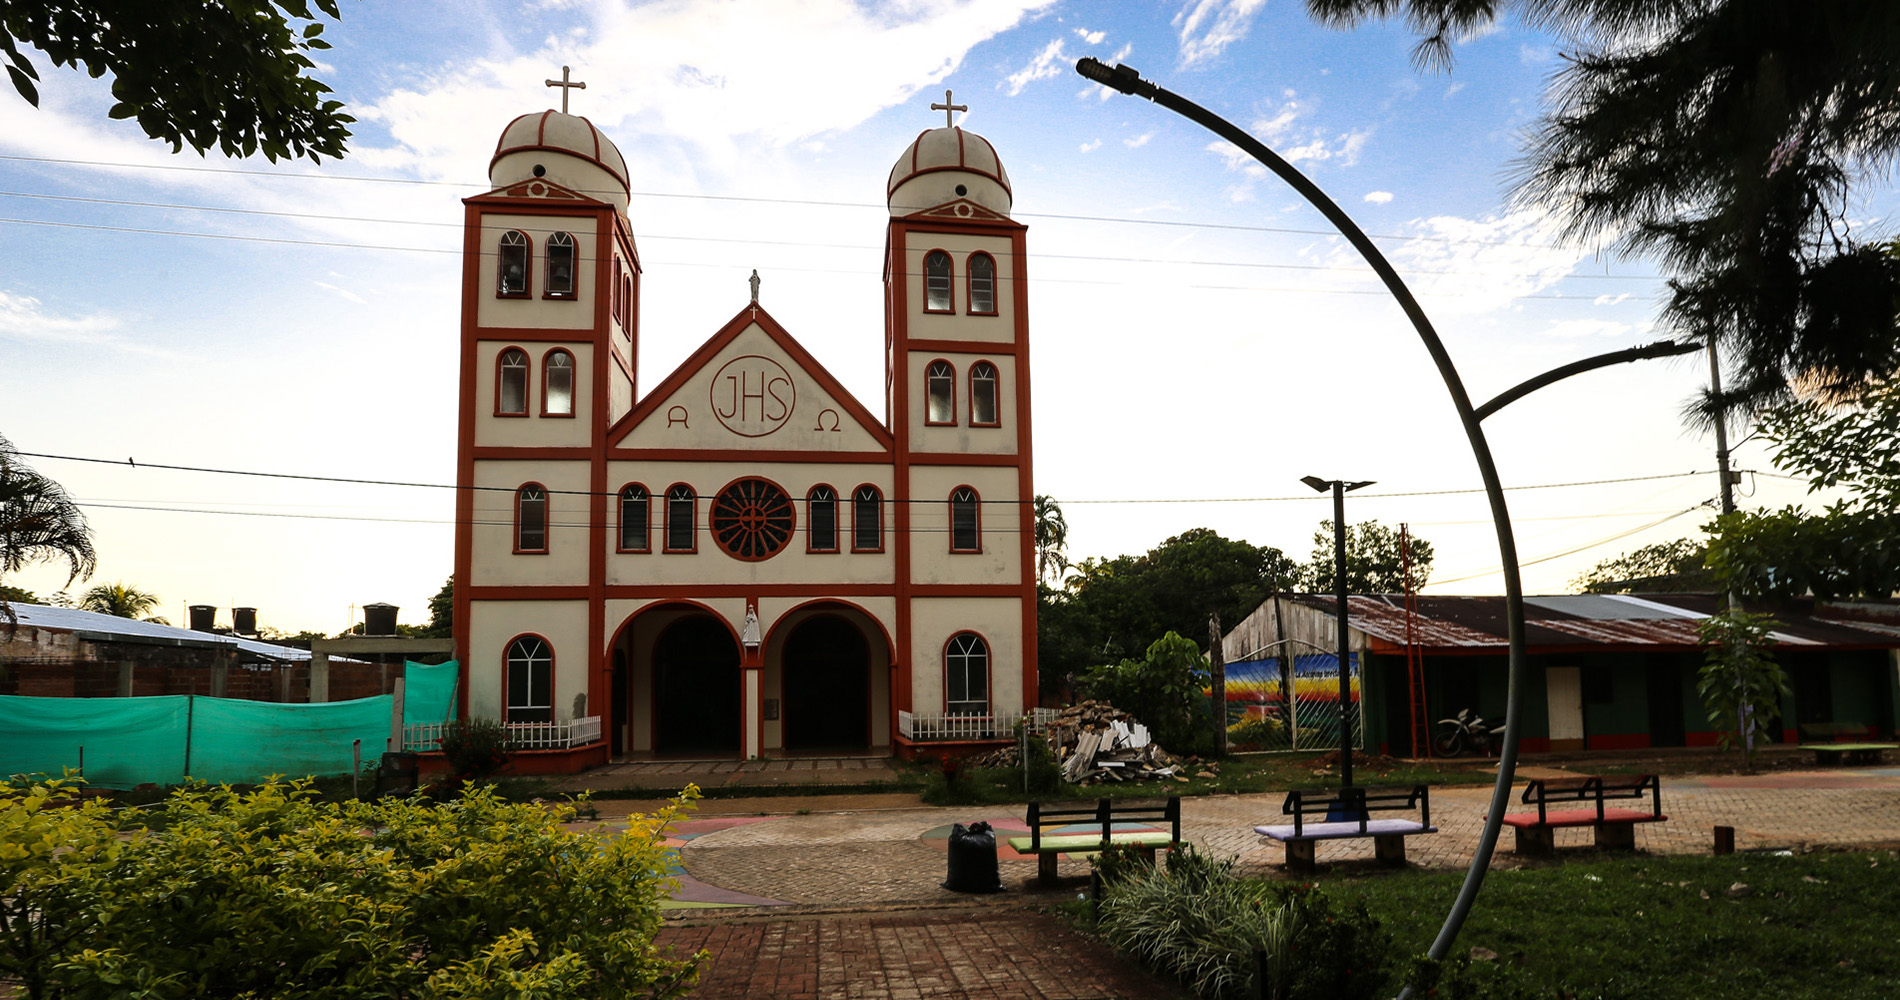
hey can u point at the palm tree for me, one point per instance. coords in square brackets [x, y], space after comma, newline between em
[38, 523]
[1735, 140]
[1052, 536]
[118, 600]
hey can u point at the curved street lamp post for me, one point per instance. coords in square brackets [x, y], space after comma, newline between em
[1128, 81]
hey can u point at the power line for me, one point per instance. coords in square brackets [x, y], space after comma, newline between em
[1581, 548]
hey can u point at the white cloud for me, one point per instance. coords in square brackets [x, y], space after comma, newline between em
[1138, 141]
[341, 292]
[1091, 37]
[25, 318]
[1281, 128]
[1090, 147]
[1609, 300]
[1454, 88]
[1048, 64]
[1207, 27]
[1379, 197]
[1473, 266]
[1237, 159]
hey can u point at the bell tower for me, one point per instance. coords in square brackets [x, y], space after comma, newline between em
[957, 379]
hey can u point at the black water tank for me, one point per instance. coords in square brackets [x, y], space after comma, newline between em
[379, 619]
[202, 617]
[244, 621]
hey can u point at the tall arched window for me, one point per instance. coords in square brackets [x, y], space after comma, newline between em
[511, 265]
[530, 680]
[983, 386]
[511, 383]
[965, 522]
[982, 285]
[940, 393]
[966, 675]
[682, 514]
[557, 384]
[531, 518]
[635, 513]
[560, 251]
[937, 282]
[867, 520]
[821, 519]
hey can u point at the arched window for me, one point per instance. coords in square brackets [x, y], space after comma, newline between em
[557, 384]
[983, 386]
[966, 675]
[821, 519]
[530, 680]
[982, 285]
[511, 383]
[965, 522]
[531, 518]
[635, 511]
[682, 514]
[560, 251]
[511, 265]
[937, 282]
[940, 393]
[867, 520]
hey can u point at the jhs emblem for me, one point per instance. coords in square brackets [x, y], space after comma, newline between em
[752, 395]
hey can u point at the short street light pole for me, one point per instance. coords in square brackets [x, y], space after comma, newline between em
[1340, 488]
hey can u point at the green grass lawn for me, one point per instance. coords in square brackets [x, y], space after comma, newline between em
[1824, 926]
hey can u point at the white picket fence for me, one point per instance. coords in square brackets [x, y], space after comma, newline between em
[933, 728]
[526, 735]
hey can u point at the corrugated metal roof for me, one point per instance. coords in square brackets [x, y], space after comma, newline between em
[129, 630]
[1666, 621]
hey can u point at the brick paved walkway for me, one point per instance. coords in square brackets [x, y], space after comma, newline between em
[1005, 955]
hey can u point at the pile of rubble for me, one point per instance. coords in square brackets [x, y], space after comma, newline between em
[1095, 743]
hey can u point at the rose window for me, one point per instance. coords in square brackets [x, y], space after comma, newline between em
[752, 519]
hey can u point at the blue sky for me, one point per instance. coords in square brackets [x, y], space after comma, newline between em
[1199, 341]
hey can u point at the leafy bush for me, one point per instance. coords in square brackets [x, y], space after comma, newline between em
[271, 893]
[476, 748]
[1039, 763]
[1255, 731]
[1162, 690]
[1193, 919]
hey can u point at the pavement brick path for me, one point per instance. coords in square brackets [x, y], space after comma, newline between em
[946, 955]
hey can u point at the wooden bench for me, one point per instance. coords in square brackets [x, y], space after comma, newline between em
[1348, 813]
[1831, 754]
[1615, 827]
[1103, 815]
[1836, 732]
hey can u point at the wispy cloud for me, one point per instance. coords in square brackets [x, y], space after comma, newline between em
[25, 318]
[1138, 141]
[1472, 266]
[340, 292]
[1573, 329]
[1091, 37]
[1048, 64]
[1379, 197]
[1208, 27]
[1090, 147]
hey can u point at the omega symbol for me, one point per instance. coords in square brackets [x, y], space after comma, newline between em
[752, 395]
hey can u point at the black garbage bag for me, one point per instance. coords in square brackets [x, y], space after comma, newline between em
[973, 859]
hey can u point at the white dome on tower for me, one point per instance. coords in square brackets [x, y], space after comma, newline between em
[946, 164]
[566, 149]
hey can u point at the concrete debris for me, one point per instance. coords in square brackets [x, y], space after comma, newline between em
[1096, 743]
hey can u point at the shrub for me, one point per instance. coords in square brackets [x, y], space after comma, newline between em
[271, 893]
[1257, 732]
[1162, 690]
[1193, 919]
[476, 748]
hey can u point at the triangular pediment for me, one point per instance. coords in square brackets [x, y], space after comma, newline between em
[538, 190]
[751, 387]
[961, 210]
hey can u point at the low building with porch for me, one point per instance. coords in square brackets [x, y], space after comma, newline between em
[1605, 671]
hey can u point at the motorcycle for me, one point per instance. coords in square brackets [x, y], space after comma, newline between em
[1467, 732]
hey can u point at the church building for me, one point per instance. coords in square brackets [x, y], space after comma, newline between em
[744, 560]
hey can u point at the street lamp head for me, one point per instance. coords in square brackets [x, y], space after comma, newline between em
[1319, 485]
[1123, 78]
[1353, 486]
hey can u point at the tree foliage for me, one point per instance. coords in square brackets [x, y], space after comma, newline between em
[1663, 568]
[1112, 608]
[1052, 539]
[1741, 684]
[1843, 552]
[233, 74]
[1162, 690]
[38, 523]
[220, 893]
[1851, 444]
[1375, 563]
[119, 600]
[1729, 138]
[441, 612]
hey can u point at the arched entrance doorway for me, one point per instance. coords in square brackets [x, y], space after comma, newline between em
[827, 686]
[696, 693]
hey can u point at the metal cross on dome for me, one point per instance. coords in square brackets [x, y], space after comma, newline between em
[949, 109]
[565, 86]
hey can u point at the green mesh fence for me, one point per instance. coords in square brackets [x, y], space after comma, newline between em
[123, 742]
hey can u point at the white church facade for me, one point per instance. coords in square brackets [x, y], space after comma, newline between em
[744, 560]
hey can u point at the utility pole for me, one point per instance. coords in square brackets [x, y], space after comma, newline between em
[1729, 479]
[1217, 662]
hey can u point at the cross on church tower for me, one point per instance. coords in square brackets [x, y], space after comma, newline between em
[566, 86]
[949, 109]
